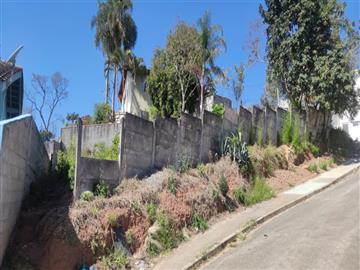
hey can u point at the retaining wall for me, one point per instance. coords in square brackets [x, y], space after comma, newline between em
[149, 145]
[23, 158]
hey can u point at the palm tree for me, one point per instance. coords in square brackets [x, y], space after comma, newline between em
[212, 45]
[117, 33]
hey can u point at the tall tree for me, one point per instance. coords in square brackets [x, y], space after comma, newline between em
[309, 49]
[212, 44]
[45, 98]
[172, 83]
[116, 33]
[238, 82]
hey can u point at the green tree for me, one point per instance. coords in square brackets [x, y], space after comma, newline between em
[310, 45]
[102, 113]
[238, 82]
[212, 44]
[172, 82]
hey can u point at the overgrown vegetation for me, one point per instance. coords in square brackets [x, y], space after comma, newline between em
[218, 109]
[199, 223]
[166, 236]
[108, 153]
[65, 166]
[313, 167]
[116, 259]
[102, 190]
[259, 191]
[87, 196]
[237, 150]
[223, 185]
[102, 113]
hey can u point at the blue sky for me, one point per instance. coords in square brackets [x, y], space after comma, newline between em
[57, 37]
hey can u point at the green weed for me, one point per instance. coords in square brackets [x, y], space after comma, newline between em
[223, 185]
[199, 223]
[313, 168]
[116, 259]
[102, 190]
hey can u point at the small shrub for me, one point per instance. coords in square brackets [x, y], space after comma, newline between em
[102, 190]
[199, 223]
[240, 194]
[260, 191]
[65, 166]
[116, 259]
[151, 210]
[315, 150]
[323, 165]
[167, 236]
[201, 170]
[153, 250]
[172, 185]
[313, 168]
[237, 150]
[183, 164]
[112, 220]
[331, 161]
[218, 109]
[153, 112]
[223, 185]
[87, 196]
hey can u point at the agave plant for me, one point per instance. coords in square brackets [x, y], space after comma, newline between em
[236, 149]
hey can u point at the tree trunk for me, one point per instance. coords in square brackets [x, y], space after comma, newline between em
[114, 90]
[107, 86]
[121, 94]
[202, 86]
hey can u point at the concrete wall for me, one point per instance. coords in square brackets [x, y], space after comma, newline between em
[245, 123]
[258, 125]
[280, 118]
[23, 158]
[211, 136]
[166, 137]
[136, 146]
[270, 124]
[91, 135]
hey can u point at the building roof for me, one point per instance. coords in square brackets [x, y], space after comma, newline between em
[7, 70]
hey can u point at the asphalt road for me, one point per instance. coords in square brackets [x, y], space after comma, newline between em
[321, 233]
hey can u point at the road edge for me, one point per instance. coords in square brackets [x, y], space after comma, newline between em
[218, 247]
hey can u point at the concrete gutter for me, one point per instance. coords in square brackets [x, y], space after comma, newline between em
[191, 254]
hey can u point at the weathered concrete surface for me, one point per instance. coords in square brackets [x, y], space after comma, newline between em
[244, 123]
[258, 125]
[322, 233]
[166, 136]
[211, 136]
[189, 139]
[136, 146]
[270, 124]
[91, 135]
[191, 253]
[23, 158]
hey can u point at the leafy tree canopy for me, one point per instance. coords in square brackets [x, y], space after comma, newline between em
[310, 51]
[172, 82]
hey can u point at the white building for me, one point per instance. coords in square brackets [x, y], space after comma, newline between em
[351, 126]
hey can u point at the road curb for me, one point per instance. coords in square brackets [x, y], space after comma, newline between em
[218, 247]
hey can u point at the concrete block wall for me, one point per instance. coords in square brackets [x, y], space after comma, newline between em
[270, 124]
[91, 135]
[136, 146]
[245, 123]
[23, 158]
[258, 125]
[211, 136]
[166, 138]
